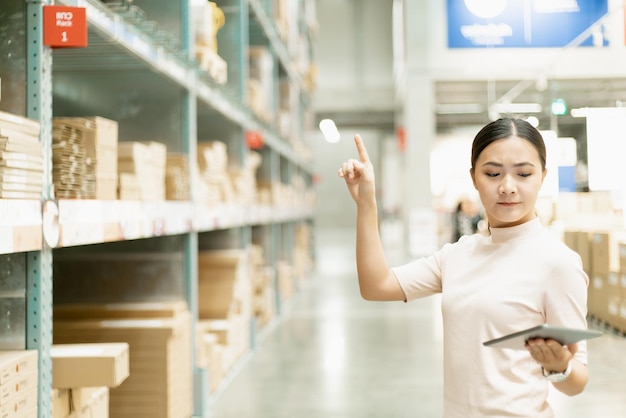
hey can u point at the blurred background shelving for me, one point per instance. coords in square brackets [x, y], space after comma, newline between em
[172, 149]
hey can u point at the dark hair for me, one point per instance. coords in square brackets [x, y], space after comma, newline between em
[504, 128]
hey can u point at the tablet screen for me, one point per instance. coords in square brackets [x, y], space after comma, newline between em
[563, 335]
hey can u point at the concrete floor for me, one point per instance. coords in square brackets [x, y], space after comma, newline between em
[334, 355]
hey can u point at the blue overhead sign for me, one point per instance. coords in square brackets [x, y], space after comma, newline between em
[523, 23]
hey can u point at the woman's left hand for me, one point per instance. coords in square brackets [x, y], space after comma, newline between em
[550, 354]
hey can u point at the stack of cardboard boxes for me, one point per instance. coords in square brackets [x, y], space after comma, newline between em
[21, 158]
[73, 174]
[594, 232]
[18, 384]
[160, 381]
[85, 157]
[82, 375]
[224, 310]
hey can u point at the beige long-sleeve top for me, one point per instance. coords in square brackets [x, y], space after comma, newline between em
[516, 278]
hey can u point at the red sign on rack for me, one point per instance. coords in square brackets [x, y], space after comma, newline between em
[254, 139]
[64, 27]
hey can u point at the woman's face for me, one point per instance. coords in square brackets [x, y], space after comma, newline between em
[508, 176]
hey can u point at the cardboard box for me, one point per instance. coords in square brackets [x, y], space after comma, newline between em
[61, 403]
[622, 256]
[90, 402]
[88, 365]
[569, 238]
[613, 307]
[604, 252]
[597, 296]
[622, 285]
[620, 318]
[106, 188]
[583, 248]
[160, 380]
[17, 363]
[105, 133]
[120, 310]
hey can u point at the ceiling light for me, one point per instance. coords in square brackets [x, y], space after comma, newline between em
[329, 129]
[559, 107]
[579, 112]
[533, 120]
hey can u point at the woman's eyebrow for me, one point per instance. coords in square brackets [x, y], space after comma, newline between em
[495, 164]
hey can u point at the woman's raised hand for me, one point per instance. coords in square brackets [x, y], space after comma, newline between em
[359, 174]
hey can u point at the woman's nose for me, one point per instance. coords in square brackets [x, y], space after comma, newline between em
[507, 185]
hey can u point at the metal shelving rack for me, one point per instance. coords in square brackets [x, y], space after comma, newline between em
[124, 42]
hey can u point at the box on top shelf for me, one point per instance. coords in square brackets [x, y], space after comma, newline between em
[89, 365]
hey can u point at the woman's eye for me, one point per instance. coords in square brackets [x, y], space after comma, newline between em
[492, 174]
[525, 174]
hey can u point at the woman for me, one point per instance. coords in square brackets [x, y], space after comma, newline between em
[466, 218]
[517, 276]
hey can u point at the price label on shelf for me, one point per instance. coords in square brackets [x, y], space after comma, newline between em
[64, 27]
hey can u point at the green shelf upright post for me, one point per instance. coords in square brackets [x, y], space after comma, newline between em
[39, 263]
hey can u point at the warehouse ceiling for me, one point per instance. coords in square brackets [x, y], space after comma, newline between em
[468, 102]
[355, 66]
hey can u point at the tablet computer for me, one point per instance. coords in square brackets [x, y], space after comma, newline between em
[563, 335]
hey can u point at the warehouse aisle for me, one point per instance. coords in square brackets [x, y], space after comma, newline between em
[334, 355]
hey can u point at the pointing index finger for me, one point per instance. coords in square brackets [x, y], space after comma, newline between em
[360, 146]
